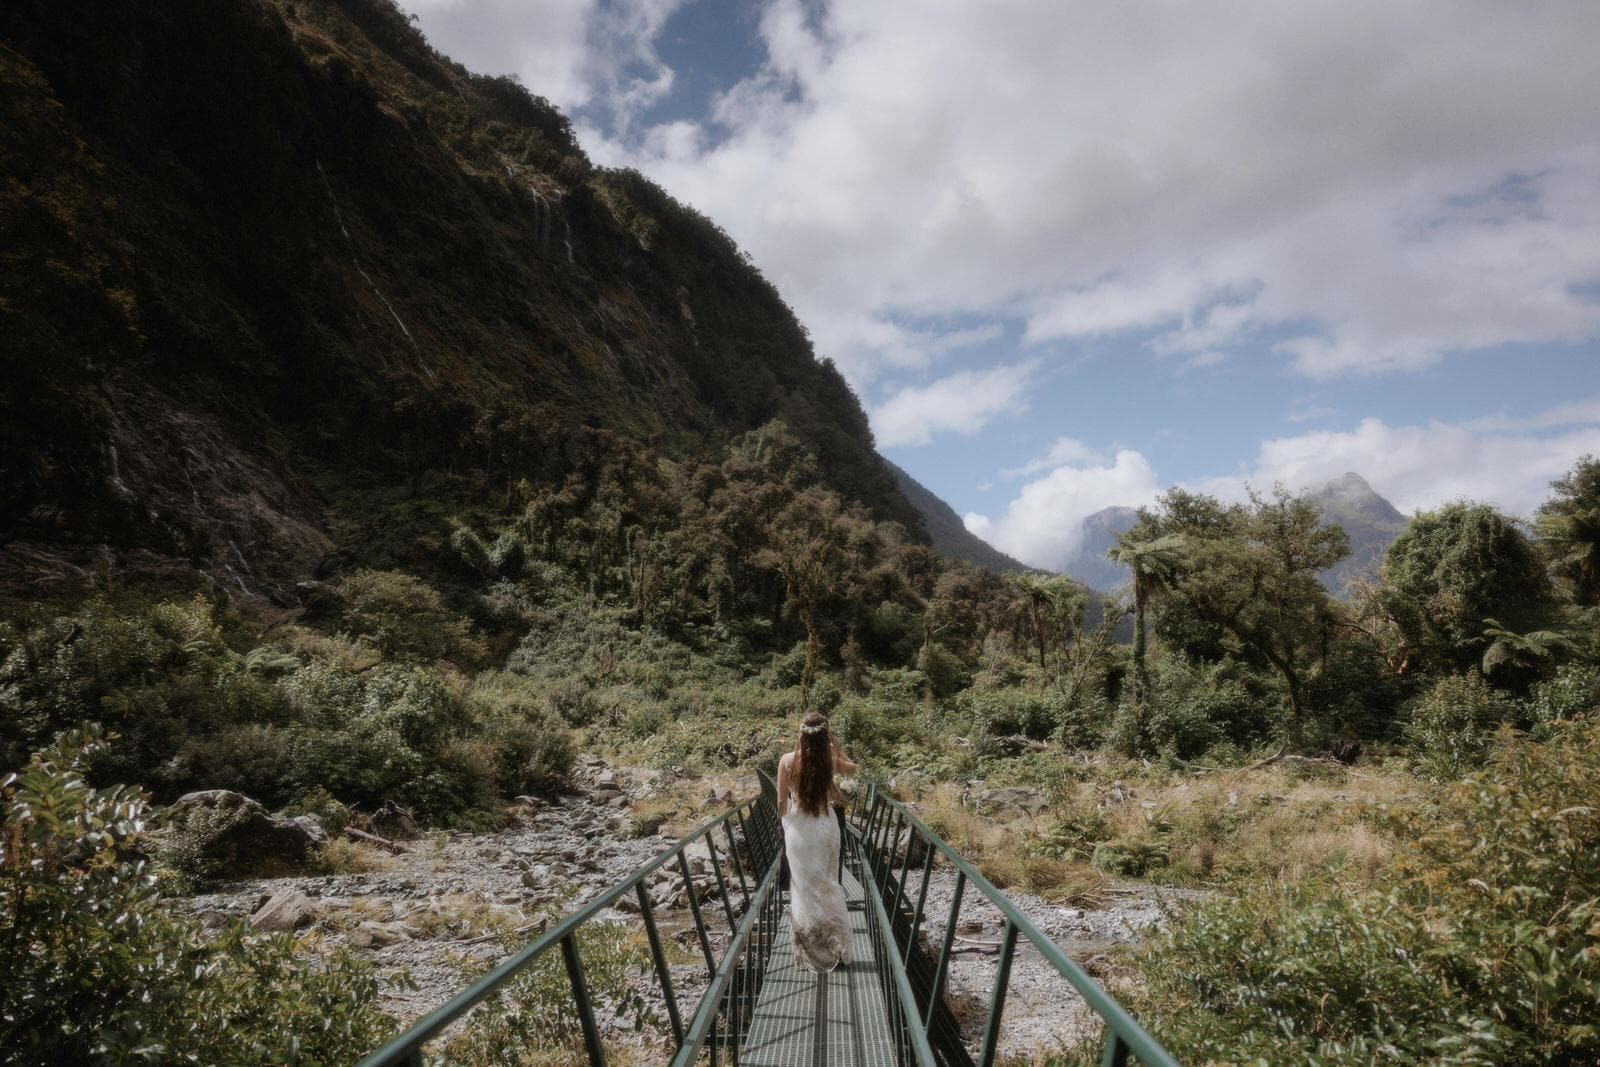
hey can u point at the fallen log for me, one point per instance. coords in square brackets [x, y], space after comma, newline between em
[365, 838]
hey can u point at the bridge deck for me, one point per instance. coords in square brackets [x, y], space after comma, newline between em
[831, 1020]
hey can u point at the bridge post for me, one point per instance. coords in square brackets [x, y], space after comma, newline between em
[722, 887]
[922, 899]
[997, 999]
[694, 910]
[580, 996]
[663, 972]
[943, 970]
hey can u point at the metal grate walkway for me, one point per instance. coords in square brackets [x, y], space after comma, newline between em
[830, 1020]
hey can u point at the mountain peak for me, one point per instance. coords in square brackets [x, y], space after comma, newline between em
[1351, 497]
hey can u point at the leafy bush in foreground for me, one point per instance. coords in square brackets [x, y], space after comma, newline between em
[1477, 947]
[96, 972]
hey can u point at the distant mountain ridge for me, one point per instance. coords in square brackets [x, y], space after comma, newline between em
[1348, 500]
[1371, 521]
[947, 533]
[1099, 535]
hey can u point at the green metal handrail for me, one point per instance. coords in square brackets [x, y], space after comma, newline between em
[912, 984]
[757, 822]
[878, 826]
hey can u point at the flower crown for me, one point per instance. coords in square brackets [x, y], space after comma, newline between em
[815, 728]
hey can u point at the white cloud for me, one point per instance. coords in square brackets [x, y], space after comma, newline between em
[1062, 451]
[1043, 525]
[575, 53]
[1378, 185]
[1509, 463]
[960, 403]
[1579, 413]
[1423, 467]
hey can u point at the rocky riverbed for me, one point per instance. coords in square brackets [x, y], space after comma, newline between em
[447, 905]
[1043, 1013]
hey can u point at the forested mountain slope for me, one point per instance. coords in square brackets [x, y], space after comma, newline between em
[259, 255]
[947, 533]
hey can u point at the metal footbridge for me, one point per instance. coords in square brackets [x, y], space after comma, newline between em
[888, 1005]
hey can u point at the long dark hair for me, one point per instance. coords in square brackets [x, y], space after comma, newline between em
[813, 765]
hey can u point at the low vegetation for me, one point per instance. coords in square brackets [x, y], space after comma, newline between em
[1308, 759]
[99, 971]
[1475, 945]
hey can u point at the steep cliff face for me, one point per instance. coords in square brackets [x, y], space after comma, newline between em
[255, 251]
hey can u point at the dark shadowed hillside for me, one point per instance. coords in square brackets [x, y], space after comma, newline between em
[262, 255]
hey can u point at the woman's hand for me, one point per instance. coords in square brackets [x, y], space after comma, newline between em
[842, 764]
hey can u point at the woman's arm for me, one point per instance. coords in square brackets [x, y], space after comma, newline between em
[841, 762]
[783, 784]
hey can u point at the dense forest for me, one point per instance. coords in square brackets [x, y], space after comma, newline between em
[574, 481]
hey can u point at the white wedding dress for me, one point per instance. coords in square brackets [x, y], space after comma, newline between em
[817, 911]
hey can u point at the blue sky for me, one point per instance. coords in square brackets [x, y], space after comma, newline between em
[1071, 253]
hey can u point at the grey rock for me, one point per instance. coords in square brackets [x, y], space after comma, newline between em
[237, 832]
[378, 935]
[289, 909]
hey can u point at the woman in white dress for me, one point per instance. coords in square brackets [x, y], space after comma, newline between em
[818, 915]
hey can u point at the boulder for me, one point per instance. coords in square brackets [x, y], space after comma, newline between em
[237, 835]
[394, 822]
[288, 909]
[378, 935]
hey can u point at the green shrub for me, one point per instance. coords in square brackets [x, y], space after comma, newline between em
[322, 695]
[158, 672]
[871, 729]
[1448, 727]
[417, 704]
[404, 617]
[533, 747]
[575, 703]
[365, 764]
[1573, 690]
[1086, 721]
[97, 971]
[644, 720]
[1191, 706]
[535, 1023]
[1009, 712]
[1130, 856]
[317, 801]
[257, 760]
[945, 672]
[459, 788]
[1476, 946]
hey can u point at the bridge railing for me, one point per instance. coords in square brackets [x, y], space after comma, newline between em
[890, 839]
[751, 911]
